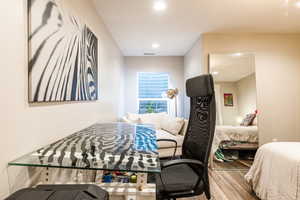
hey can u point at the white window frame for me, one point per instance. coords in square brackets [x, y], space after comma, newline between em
[152, 99]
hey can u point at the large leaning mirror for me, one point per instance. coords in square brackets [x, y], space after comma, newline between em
[236, 136]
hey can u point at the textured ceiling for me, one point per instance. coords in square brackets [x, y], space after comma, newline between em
[231, 67]
[135, 25]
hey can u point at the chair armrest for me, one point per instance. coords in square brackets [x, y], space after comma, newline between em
[169, 140]
[181, 161]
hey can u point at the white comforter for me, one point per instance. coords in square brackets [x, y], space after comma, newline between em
[275, 173]
[234, 133]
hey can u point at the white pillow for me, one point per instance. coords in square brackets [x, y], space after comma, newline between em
[152, 118]
[172, 125]
[134, 118]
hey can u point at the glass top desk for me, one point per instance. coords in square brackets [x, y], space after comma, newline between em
[102, 146]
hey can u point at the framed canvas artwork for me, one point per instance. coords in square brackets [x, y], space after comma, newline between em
[63, 55]
[228, 99]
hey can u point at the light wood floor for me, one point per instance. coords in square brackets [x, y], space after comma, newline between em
[228, 185]
[242, 165]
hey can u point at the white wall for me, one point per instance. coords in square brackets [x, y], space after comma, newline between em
[25, 128]
[192, 68]
[134, 64]
[244, 99]
[277, 61]
[229, 113]
[246, 88]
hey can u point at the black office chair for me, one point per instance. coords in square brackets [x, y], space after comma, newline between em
[188, 176]
[61, 192]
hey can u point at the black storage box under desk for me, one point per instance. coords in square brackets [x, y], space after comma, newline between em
[61, 192]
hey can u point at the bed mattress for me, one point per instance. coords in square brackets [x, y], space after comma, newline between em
[275, 173]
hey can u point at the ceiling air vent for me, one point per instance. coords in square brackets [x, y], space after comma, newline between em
[149, 54]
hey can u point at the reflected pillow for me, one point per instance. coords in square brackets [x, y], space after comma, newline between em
[255, 121]
[248, 120]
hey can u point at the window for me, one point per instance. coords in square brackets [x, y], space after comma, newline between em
[151, 86]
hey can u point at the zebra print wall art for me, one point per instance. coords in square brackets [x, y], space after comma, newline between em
[63, 55]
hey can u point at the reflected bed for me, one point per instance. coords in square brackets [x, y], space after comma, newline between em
[244, 134]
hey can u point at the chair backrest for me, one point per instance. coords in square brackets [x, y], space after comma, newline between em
[200, 132]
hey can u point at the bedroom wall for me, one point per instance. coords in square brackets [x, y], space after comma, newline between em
[25, 127]
[277, 61]
[229, 113]
[134, 64]
[246, 89]
[192, 68]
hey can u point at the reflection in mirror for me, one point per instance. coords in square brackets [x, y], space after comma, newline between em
[236, 136]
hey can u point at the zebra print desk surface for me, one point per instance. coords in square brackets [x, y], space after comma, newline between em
[109, 146]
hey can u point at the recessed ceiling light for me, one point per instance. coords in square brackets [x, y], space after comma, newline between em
[215, 73]
[160, 5]
[155, 45]
[237, 54]
[297, 4]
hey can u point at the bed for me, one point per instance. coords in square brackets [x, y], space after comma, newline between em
[246, 134]
[275, 173]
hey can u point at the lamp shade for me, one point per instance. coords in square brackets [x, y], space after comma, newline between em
[172, 93]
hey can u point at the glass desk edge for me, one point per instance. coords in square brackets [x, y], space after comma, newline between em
[18, 161]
